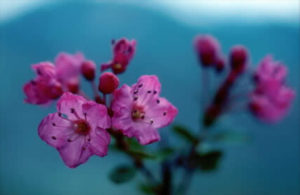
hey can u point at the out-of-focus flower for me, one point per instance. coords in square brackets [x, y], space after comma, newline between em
[271, 98]
[44, 87]
[139, 111]
[238, 58]
[108, 83]
[123, 52]
[207, 49]
[88, 69]
[68, 68]
[270, 70]
[77, 130]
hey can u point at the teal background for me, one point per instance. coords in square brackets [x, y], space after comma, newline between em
[269, 164]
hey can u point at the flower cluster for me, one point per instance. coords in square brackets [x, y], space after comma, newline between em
[81, 127]
[270, 99]
[52, 80]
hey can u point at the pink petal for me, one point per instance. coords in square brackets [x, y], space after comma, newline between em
[147, 88]
[99, 141]
[96, 115]
[71, 105]
[55, 130]
[121, 106]
[75, 153]
[68, 66]
[122, 98]
[147, 136]
[37, 92]
[161, 112]
[45, 69]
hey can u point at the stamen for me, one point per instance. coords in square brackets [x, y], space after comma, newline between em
[158, 101]
[149, 91]
[135, 98]
[53, 137]
[140, 85]
[154, 92]
[164, 113]
[73, 111]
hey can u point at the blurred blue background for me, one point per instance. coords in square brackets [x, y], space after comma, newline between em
[34, 31]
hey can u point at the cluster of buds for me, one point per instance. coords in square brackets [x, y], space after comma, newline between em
[209, 52]
[82, 127]
[270, 99]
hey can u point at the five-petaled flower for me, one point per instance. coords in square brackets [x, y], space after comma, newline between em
[139, 111]
[271, 98]
[77, 130]
[123, 52]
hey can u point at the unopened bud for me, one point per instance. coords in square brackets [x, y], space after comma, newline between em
[108, 82]
[88, 70]
[73, 85]
[207, 48]
[238, 58]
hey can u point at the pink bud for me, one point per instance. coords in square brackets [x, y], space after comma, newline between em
[88, 70]
[207, 48]
[238, 58]
[108, 82]
[73, 85]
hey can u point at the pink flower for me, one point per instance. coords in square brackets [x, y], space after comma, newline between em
[123, 52]
[271, 98]
[139, 111]
[268, 69]
[77, 130]
[44, 88]
[68, 68]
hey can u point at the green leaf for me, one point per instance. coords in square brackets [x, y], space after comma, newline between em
[184, 133]
[164, 153]
[142, 154]
[208, 161]
[231, 137]
[122, 174]
[134, 144]
[147, 188]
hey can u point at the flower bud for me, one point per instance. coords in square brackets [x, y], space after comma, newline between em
[207, 48]
[73, 85]
[108, 82]
[238, 58]
[88, 70]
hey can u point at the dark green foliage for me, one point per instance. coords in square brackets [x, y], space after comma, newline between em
[185, 134]
[122, 174]
[208, 161]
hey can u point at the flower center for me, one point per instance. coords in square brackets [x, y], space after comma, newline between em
[137, 113]
[82, 127]
[117, 66]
